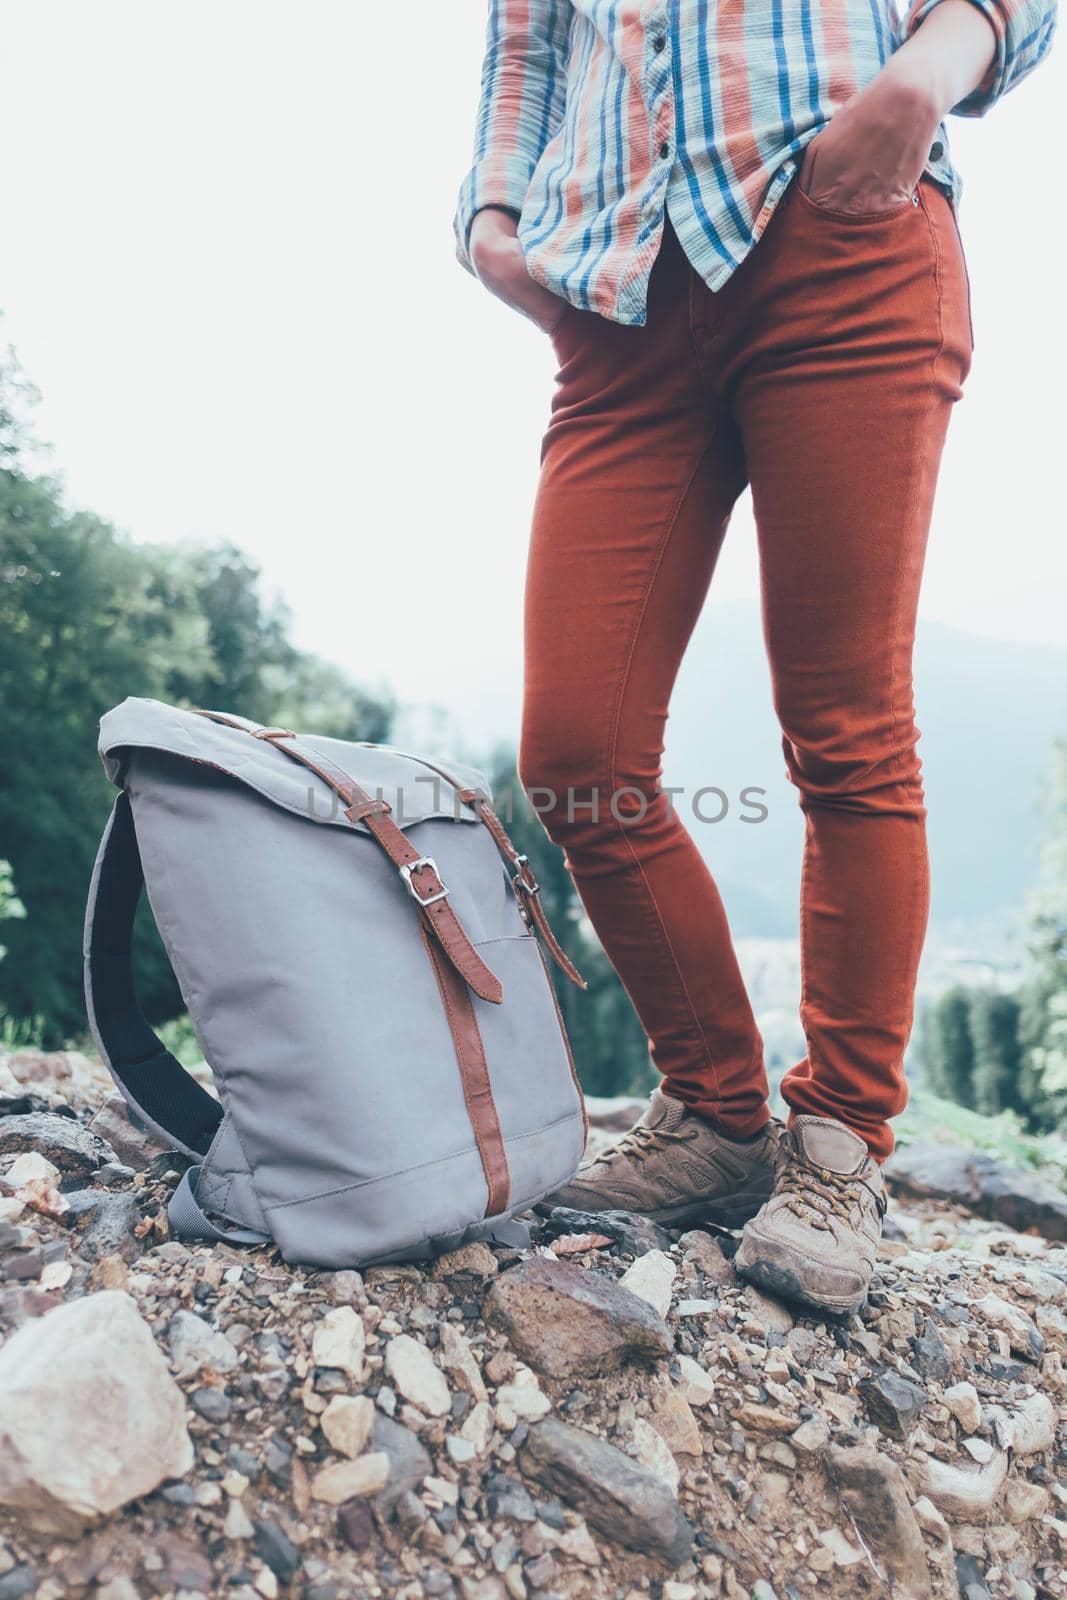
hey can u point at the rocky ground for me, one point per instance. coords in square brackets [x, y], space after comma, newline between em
[608, 1414]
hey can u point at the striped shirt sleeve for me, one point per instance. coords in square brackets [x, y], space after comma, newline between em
[523, 95]
[1023, 30]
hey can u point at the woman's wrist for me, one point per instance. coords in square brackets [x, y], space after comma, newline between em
[944, 61]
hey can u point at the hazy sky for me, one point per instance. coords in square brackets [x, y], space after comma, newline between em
[227, 261]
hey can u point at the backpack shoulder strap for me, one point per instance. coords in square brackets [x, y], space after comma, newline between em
[153, 1080]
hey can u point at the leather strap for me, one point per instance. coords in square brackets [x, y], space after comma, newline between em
[527, 889]
[418, 872]
[474, 1075]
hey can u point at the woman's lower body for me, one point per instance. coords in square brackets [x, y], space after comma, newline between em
[823, 376]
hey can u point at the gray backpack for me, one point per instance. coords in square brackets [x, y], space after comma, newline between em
[356, 940]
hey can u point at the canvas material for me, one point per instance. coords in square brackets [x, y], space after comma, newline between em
[299, 956]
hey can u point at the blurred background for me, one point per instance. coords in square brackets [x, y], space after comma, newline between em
[243, 374]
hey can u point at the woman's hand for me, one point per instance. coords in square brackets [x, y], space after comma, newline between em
[498, 260]
[871, 154]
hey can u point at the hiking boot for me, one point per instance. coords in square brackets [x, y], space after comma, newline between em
[672, 1166]
[815, 1239]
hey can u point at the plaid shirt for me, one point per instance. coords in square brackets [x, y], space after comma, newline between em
[597, 115]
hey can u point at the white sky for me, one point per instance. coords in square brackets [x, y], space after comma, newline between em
[226, 259]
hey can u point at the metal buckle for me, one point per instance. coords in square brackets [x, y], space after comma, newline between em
[524, 878]
[412, 887]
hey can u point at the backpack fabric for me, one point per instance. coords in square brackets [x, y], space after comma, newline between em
[359, 947]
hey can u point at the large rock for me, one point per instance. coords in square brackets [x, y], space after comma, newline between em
[962, 1495]
[873, 1490]
[131, 1141]
[409, 1462]
[74, 1150]
[567, 1321]
[892, 1401]
[970, 1178]
[90, 1418]
[626, 1229]
[622, 1500]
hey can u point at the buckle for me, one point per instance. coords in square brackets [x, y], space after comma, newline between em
[412, 887]
[523, 878]
[274, 733]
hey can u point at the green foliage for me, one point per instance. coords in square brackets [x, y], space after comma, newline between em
[946, 1046]
[609, 1045]
[1000, 1052]
[1043, 1023]
[86, 618]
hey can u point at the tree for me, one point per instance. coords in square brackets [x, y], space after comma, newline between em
[87, 617]
[947, 1046]
[1043, 1023]
[609, 1045]
[994, 1027]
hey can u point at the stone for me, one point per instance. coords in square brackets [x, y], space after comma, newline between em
[962, 1400]
[812, 1436]
[275, 1547]
[972, 1585]
[620, 1499]
[706, 1252]
[567, 1321]
[842, 1553]
[1024, 1501]
[355, 1524]
[196, 1347]
[695, 1383]
[963, 1495]
[351, 1480]
[109, 1230]
[409, 1463]
[875, 1494]
[31, 1167]
[673, 1419]
[184, 1565]
[457, 1358]
[347, 1423]
[1020, 1328]
[931, 1356]
[525, 1401]
[654, 1452]
[339, 1342]
[91, 1416]
[651, 1278]
[992, 1189]
[414, 1373]
[214, 1405]
[131, 1141]
[476, 1259]
[930, 1519]
[477, 1428]
[770, 1314]
[893, 1402]
[630, 1232]
[1033, 1426]
[236, 1523]
[69, 1146]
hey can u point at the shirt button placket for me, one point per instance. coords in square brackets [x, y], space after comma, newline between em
[660, 105]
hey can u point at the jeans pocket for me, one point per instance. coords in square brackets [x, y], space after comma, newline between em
[856, 218]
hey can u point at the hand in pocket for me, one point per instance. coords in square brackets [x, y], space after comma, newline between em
[498, 260]
[870, 155]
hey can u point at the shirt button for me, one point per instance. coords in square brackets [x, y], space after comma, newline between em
[658, 42]
[937, 150]
[664, 149]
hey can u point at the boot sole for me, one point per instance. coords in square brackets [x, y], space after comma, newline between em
[786, 1285]
[731, 1213]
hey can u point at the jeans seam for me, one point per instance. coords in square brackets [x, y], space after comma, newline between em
[612, 751]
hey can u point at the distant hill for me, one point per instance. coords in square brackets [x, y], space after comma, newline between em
[989, 712]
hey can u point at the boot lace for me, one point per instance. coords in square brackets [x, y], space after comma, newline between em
[815, 1194]
[640, 1141]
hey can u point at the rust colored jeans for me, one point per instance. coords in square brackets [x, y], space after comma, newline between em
[822, 374]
